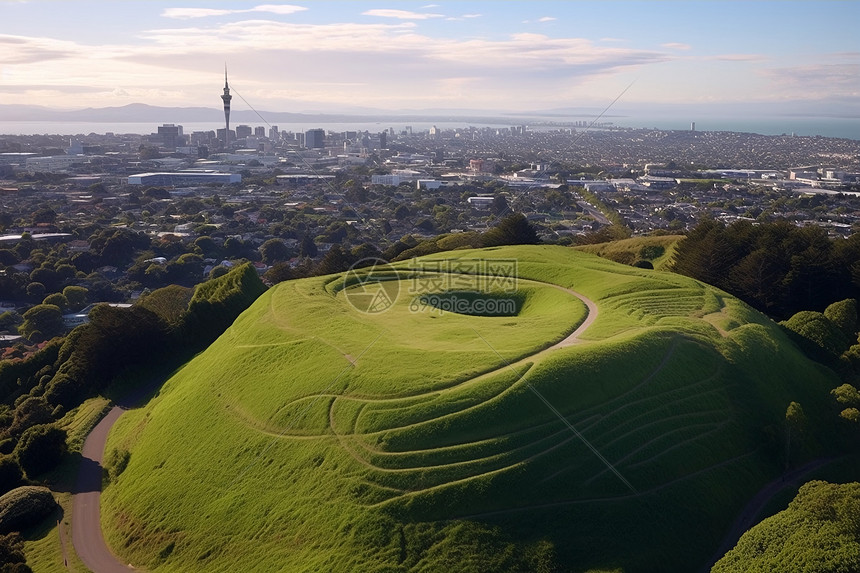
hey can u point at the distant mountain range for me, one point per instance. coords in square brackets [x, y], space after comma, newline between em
[138, 112]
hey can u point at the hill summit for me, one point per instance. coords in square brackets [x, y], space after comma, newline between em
[527, 408]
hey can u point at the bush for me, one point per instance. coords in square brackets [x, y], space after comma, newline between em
[76, 296]
[10, 474]
[844, 315]
[12, 554]
[217, 302]
[25, 370]
[651, 252]
[58, 300]
[40, 449]
[25, 506]
[45, 319]
[818, 329]
[818, 532]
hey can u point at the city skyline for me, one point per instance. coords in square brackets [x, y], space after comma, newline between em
[788, 57]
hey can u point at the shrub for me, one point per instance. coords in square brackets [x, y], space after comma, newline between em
[818, 329]
[25, 506]
[40, 449]
[58, 300]
[12, 554]
[818, 532]
[217, 302]
[844, 315]
[10, 474]
[76, 296]
[45, 319]
[651, 252]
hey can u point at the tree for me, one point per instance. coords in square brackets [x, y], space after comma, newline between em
[817, 533]
[512, 230]
[795, 424]
[308, 248]
[844, 315]
[48, 277]
[206, 246]
[44, 319]
[40, 449]
[76, 296]
[12, 554]
[57, 299]
[9, 319]
[499, 206]
[10, 474]
[36, 290]
[274, 250]
[44, 215]
[847, 395]
[279, 272]
[335, 261]
[401, 212]
[149, 152]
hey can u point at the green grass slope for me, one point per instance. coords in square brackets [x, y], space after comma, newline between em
[314, 437]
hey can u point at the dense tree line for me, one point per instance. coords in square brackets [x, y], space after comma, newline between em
[817, 533]
[161, 331]
[778, 268]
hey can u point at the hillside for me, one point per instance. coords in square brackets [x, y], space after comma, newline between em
[312, 436]
[658, 250]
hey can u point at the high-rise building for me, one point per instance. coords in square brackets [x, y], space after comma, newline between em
[273, 133]
[383, 140]
[170, 136]
[260, 131]
[315, 138]
[226, 98]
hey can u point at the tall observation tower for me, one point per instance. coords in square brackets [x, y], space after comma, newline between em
[226, 97]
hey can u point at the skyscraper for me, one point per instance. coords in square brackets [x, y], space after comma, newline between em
[315, 139]
[226, 97]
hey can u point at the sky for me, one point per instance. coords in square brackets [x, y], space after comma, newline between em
[350, 56]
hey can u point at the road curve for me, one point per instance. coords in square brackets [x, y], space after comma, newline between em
[86, 520]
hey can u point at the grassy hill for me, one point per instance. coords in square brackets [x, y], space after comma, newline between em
[315, 437]
[659, 250]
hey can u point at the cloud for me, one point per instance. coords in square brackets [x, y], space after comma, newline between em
[471, 15]
[676, 46]
[400, 14]
[739, 57]
[190, 13]
[547, 19]
[821, 80]
[428, 6]
[23, 50]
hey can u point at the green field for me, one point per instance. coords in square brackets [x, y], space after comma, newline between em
[315, 437]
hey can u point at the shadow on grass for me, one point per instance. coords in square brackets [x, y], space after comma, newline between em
[76, 474]
[45, 526]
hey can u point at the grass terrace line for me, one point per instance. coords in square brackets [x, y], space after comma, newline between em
[314, 437]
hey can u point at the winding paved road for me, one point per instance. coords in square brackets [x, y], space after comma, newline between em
[86, 522]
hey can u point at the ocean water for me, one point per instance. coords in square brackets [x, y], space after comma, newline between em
[848, 128]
